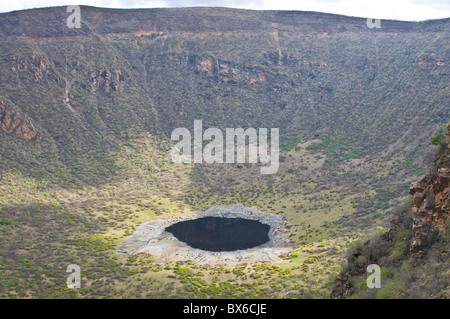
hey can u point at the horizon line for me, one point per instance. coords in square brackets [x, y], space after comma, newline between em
[223, 7]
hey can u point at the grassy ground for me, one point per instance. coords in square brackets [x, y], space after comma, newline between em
[46, 227]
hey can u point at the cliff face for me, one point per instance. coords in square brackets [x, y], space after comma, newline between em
[15, 124]
[45, 23]
[412, 229]
[159, 69]
[431, 201]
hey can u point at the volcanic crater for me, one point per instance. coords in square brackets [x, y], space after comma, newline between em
[218, 235]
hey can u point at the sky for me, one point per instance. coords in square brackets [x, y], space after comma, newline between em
[410, 10]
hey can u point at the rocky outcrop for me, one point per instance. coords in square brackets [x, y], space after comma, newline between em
[431, 201]
[35, 66]
[429, 212]
[358, 260]
[232, 74]
[15, 124]
[227, 72]
[105, 80]
[432, 62]
[343, 285]
[205, 66]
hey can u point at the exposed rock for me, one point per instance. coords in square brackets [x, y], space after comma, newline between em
[105, 80]
[430, 63]
[226, 71]
[342, 286]
[35, 66]
[13, 123]
[232, 74]
[431, 203]
[358, 260]
[429, 210]
[205, 66]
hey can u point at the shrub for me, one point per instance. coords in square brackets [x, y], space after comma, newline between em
[390, 290]
[434, 237]
[6, 221]
[435, 140]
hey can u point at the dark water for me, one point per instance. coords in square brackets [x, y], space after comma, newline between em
[221, 234]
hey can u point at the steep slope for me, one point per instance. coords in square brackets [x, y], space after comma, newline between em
[16, 125]
[362, 101]
[413, 254]
[312, 75]
[431, 200]
[86, 118]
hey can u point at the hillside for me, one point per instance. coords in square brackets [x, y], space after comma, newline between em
[413, 253]
[86, 117]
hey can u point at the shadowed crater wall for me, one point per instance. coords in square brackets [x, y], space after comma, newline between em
[221, 234]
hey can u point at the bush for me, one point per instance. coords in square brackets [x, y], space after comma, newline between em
[390, 290]
[6, 221]
[435, 140]
[434, 237]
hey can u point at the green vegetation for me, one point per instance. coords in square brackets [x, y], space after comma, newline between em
[401, 274]
[435, 140]
[339, 149]
[352, 139]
